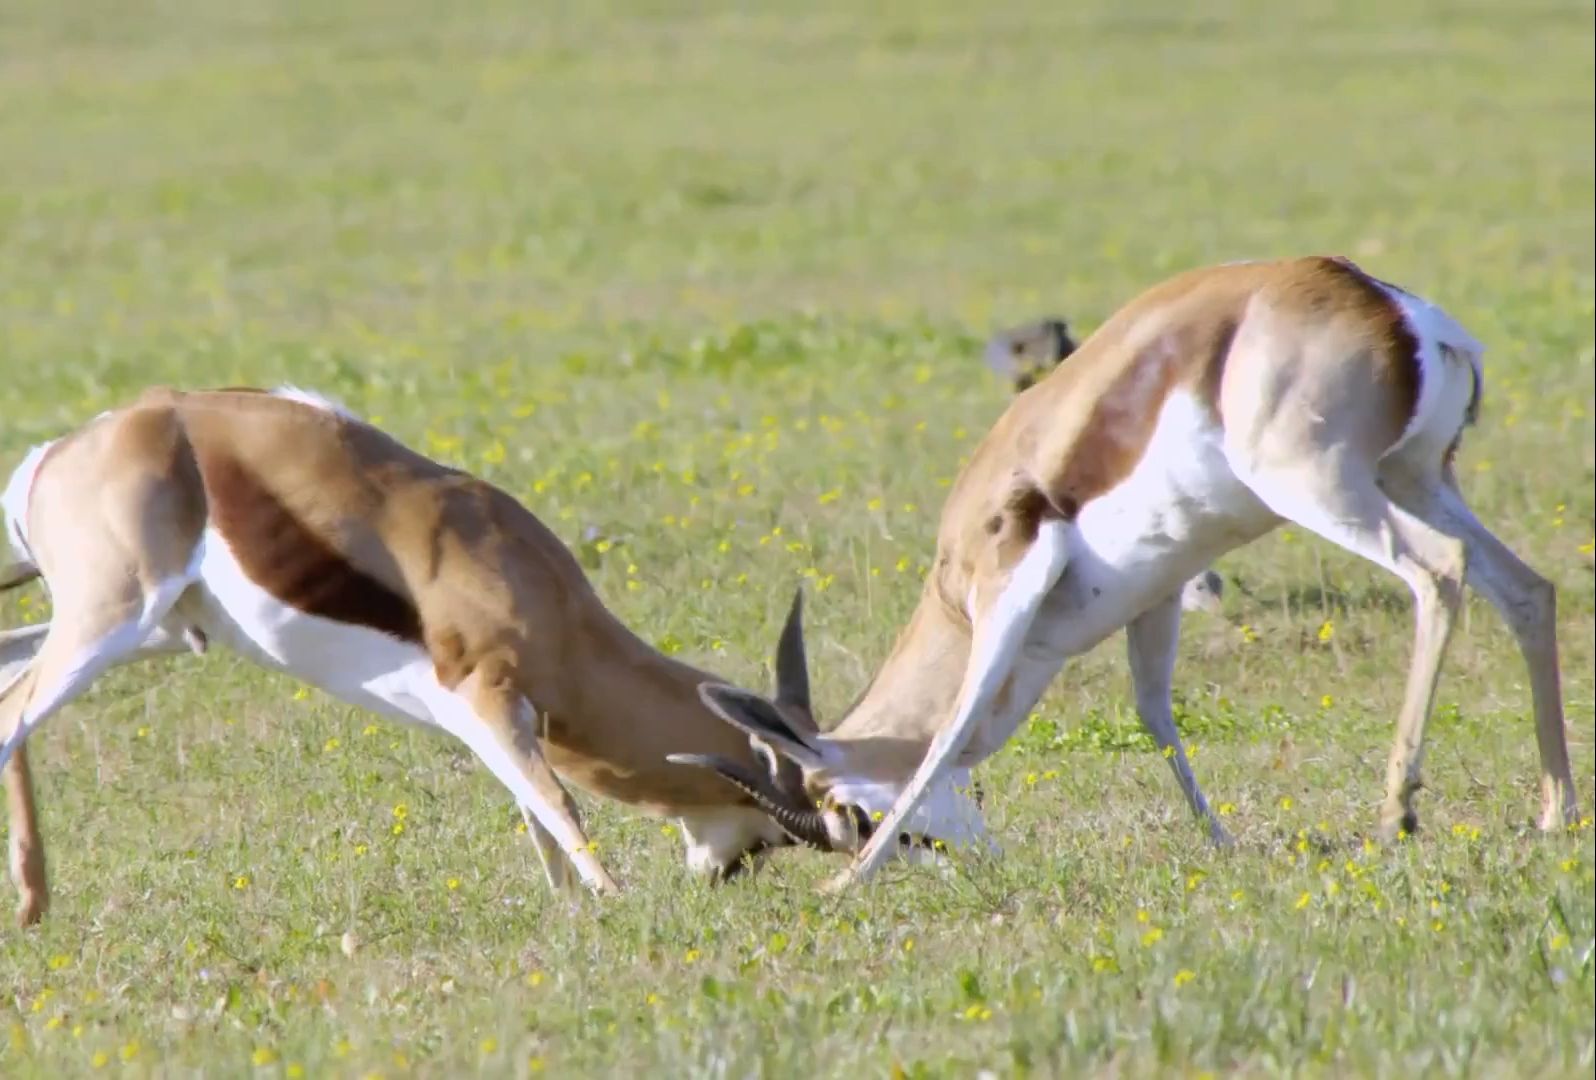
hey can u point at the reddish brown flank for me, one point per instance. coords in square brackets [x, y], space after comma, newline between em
[283, 556]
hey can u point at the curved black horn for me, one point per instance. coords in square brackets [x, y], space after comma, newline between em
[803, 825]
[792, 666]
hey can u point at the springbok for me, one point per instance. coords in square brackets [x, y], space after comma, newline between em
[317, 545]
[1203, 414]
[1023, 354]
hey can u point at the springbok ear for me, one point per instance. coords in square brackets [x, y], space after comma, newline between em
[759, 719]
[792, 666]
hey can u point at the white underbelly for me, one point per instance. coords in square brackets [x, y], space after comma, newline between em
[1131, 548]
[359, 665]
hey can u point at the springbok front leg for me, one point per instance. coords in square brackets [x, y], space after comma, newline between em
[1151, 639]
[488, 714]
[1013, 596]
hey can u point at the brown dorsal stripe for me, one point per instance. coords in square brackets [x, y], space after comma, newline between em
[282, 555]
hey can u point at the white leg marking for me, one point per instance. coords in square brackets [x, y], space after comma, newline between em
[455, 715]
[1151, 639]
[117, 646]
[999, 636]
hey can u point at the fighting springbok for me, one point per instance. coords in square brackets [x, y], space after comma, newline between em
[1203, 414]
[317, 545]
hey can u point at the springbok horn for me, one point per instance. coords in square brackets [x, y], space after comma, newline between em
[803, 824]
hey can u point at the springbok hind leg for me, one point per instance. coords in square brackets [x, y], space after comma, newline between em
[1527, 602]
[27, 845]
[1346, 506]
[73, 653]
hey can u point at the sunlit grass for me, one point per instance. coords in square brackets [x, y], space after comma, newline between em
[708, 293]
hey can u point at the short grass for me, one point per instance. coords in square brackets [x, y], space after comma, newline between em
[708, 283]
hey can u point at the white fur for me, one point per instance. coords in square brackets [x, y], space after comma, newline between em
[14, 501]
[313, 399]
[717, 838]
[1451, 367]
[946, 813]
[1000, 636]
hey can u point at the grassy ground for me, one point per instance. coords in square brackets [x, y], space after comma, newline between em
[711, 288]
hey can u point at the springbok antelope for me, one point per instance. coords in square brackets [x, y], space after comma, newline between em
[317, 545]
[1023, 354]
[1203, 414]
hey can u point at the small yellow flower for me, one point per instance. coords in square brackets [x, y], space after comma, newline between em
[1326, 701]
[1438, 926]
[331, 744]
[1226, 809]
[873, 504]
[453, 883]
[1184, 976]
[534, 978]
[401, 811]
[370, 729]
[1285, 802]
[1102, 964]
[294, 1070]
[398, 828]
[143, 732]
[100, 1059]
[1303, 901]
[1152, 937]
[908, 944]
[1142, 916]
[1248, 634]
[56, 1021]
[263, 1055]
[1559, 941]
[241, 881]
[1238, 895]
[488, 1045]
[535, 1064]
[59, 961]
[690, 957]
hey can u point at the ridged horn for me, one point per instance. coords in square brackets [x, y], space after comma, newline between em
[802, 823]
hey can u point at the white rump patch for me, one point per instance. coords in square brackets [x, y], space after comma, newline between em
[14, 503]
[1451, 372]
[314, 400]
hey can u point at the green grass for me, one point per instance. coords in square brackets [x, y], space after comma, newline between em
[682, 280]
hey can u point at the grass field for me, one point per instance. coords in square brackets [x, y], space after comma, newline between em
[707, 291]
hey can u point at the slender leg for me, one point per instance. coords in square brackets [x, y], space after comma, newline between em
[1345, 506]
[1527, 602]
[999, 636]
[489, 715]
[71, 654]
[1151, 639]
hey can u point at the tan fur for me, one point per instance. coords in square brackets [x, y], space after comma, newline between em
[339, 519]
